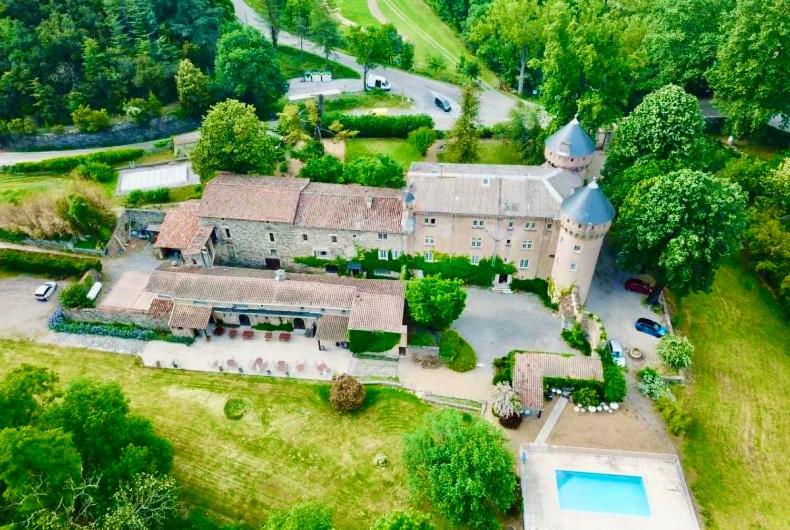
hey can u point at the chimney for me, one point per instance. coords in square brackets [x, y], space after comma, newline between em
[369, 202]
[279, 275]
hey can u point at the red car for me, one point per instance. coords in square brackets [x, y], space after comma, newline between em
[638, 286]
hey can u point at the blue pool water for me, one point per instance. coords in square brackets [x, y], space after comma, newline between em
[598, 492]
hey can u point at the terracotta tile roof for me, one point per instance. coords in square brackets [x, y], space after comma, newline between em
[373, 305]
[531, 368]
[350, 207]
[252, 198]
[332, 328]
[189, 316]
[160, 308]
[200, 240]
[179, 227]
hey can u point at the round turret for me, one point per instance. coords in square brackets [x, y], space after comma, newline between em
[569, 148]
[585, 218]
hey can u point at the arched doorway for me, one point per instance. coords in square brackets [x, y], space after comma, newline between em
[298, 323]
[244, 320]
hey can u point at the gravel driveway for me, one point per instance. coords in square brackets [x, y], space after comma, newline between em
[495, 323]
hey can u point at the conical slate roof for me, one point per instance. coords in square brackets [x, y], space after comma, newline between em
[571, 141]
[588, 205]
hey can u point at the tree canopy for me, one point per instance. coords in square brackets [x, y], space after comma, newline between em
[435, 302]
[464, 138]
[679, 226]
[232, 138]
[462, 466]
[373, 46]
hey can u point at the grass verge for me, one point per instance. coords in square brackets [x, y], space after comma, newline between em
[294, 63]
[357, 11]
[494, 152]
[735, 451]
[289, 447]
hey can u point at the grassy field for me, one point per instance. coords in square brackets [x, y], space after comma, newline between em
[15, 187]
[294, 63]
[494, 152]
[357, 11]
[400, 150]
[290, 447]
[735, 454]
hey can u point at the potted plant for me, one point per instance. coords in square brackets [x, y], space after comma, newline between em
[506, 406]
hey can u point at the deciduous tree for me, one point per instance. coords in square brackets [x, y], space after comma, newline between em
[24, 392]
[193, 88]
[379, 170]
[325, 32]
[435, 302]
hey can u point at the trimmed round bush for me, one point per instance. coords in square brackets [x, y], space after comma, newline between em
[235, 408]
[346, 393]
[585, 397]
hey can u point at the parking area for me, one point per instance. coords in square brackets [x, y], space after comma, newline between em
[495, 323]
[619, 309]
[21, 315]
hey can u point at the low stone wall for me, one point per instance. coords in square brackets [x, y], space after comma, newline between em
[423, 353]
[63, 246]
[120, 134]
[132, 219]
[105, 316]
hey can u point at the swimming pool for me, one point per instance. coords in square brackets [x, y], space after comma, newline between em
[603, 493]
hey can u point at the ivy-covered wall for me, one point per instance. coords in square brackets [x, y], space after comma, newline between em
[360, 341]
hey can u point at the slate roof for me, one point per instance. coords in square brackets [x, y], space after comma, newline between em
[588, 205]
[179, 227]
[531, 368]
[372, 305]
[490, 190]
[571, 140]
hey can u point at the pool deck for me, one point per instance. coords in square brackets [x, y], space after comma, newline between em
[667, 493]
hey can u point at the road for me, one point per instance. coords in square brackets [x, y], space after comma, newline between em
[494, 105]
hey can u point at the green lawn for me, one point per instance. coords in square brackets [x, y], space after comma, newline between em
[400, 150]
[368, 99]
[735, 454]
[357, 11]
[15, 187]
[494, 152]
[290, 447]
[294, 63]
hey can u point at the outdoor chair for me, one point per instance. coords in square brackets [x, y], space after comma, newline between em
[233, 333]
[231, 363]
[300, 366]
[268, 335]
[285, 337]
[282, 366]
[247, 334]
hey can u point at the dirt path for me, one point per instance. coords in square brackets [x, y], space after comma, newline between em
[28, 248]
[375, 10]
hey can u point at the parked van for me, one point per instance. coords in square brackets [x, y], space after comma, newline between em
[378, 82]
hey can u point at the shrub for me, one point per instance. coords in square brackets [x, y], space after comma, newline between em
[372, 126]
[585, 397]
[89, 120]
[505, 403]
[63, 164]
[677, 352]
[346, 393]
[537, 286]
[142, 111]
[651, 384]
[312, 149]
[675, 417]
[576, 338]
[306, 516]
[55, 265]
[325, 168]
[422, 139]
[456, 352]
[403, 521]
[614, 387]
[360, 341]
[376, 170]
[235, 408]
[75, 295]
[59, 322]
[503, 368]
[95, 171]
[24, 125]
[140, 197]
[267, 326]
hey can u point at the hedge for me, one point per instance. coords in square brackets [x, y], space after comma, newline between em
[456, 352]
[55, 265]
[67, 163]
[360, 341]
[371, 126]
[267, 326]
[59, 322]
[537, 286]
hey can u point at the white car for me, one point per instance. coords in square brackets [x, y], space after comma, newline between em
[45, 291]
[616, 350]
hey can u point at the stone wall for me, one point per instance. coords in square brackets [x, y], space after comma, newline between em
[249, 243]
[129, 220]
[105, 316]
[120, 134]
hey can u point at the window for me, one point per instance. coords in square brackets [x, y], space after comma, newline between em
[507, 242]
[395, 254]
[577, 249]
[271, 237]
[549, 226]
[304, 237]
[333, 239]
[382, 236]
[573, 267]
[486, 181]
[477, 242]
[531, 225]
[428, 241]
[474, 260]
[321, 253]
[231, 252]
[526, 245]
[273, 252]
[510, 225]
[383, 255]
[194, 261]
[428, 257]
[227, 233]
[523, 264]
[430, 221]
[477, 223]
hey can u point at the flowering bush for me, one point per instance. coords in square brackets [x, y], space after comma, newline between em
[505, 401]
[59, 322]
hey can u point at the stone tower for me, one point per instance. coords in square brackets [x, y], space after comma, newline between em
[569, 148]
[585, 218]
